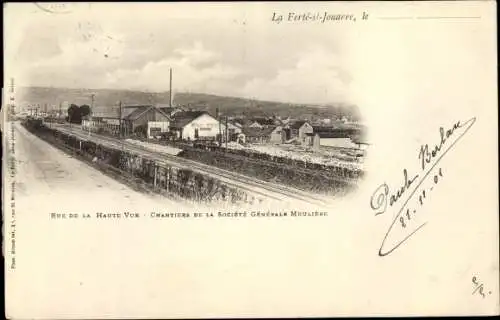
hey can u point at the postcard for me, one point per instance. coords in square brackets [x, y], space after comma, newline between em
[250, 159]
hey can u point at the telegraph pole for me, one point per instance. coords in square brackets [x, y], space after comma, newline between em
[91, 108]
[12, 105]
[170, 93]
[120, 116]
[227, 134]
[220, 129]
[91, 102]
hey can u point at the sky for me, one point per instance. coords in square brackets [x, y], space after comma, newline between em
[212, 48]
[236, 49]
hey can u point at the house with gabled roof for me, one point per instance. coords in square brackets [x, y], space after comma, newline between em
[233, 127]
[254, 124]
[265, 122]
[259, 135]
[259, 122]
[196, 125]
[145, 120]
[298, 130]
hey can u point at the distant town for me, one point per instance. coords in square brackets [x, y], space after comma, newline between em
[170, 122]
[267, 146]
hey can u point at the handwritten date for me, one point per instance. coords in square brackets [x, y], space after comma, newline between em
[416, 189]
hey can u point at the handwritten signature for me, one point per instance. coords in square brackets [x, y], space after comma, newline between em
[413, 185]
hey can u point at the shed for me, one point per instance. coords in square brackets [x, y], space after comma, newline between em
[298, 129]
[258, 135]
[143, 120]
[339, 139]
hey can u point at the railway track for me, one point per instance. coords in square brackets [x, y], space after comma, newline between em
[307, 172]
[249, 184]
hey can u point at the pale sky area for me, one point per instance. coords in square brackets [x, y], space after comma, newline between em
[236, 49]
[212, 48]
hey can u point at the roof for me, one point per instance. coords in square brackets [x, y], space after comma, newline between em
[169, 110]
[234, 124]
[106, 112]
[297, 124]
[347, 129]
[322, 128]
[333, 134]
[138, 111]
[181, 119]
[163, 105]
[127, 110]
[239, 120]
[113, 112]
[263, 121]
[258, 132]
[254, 124]
[341, 125]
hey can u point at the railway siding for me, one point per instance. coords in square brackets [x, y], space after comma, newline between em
[309, 180]
[240, 178]
[147, 172]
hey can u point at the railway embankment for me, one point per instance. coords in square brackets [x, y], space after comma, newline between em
[314, 181]
[326, 180]
[141, 172]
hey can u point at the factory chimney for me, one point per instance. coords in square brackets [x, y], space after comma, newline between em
[171, 95]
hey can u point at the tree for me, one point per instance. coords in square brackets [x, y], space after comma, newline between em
[84, 110]
[74, 114]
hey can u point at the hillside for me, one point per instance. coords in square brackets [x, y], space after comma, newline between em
[231, 106]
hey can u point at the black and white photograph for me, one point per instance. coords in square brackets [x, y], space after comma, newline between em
[193, 114]
[249, 159]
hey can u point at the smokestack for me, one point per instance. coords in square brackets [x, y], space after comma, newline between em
[171, 96]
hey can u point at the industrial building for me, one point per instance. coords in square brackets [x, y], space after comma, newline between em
[196, 125]
[141, 120]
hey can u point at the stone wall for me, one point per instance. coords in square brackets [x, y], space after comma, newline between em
[134, 168]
